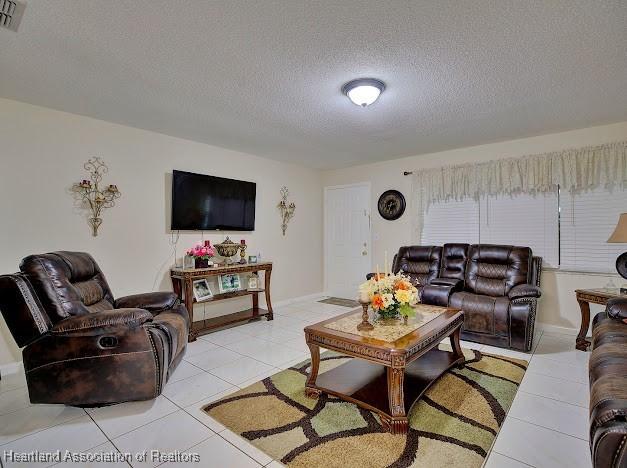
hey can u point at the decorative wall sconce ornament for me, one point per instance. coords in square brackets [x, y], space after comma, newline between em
[286, 209]
[92, 197]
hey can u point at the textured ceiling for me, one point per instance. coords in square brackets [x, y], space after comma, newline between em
[264, 76]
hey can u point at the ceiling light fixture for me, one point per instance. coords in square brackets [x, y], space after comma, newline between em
[363, 91]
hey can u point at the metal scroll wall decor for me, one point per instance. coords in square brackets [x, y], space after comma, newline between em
[91, 196]
[286, 208]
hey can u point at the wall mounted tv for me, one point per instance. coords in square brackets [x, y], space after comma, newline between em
[205, 203]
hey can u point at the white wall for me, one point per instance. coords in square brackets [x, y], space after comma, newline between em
[42, 153]
[558, 307]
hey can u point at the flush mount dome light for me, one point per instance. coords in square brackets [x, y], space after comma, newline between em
[363, 91]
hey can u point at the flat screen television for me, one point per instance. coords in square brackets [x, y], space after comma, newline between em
[204, 203]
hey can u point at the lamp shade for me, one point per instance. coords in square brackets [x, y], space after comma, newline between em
[619, 235]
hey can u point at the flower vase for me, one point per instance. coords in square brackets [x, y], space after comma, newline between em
[201, 262]
[388, 317]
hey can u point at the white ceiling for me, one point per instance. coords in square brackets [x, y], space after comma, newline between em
[264, 77]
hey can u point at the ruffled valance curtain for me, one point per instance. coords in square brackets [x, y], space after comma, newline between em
[573, 170]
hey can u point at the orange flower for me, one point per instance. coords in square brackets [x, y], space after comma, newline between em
[404, 285]
[377, 302]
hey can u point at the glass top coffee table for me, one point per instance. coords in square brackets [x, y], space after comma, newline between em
[395, 365]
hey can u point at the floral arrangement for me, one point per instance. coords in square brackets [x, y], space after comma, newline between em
[390, 295]
[201, 251]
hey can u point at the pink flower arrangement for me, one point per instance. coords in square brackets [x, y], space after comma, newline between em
[201, 251]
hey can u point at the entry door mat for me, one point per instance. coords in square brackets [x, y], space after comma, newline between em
[453, 425]
[340, 302]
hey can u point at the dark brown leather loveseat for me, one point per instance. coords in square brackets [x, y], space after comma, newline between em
[81, 346]
[608, 386]
[497, 287]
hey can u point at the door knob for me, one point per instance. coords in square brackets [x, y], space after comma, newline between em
[364, 253]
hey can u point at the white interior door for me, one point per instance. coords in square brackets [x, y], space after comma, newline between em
[347, 238]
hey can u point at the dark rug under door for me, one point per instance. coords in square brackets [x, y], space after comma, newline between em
[340, 302]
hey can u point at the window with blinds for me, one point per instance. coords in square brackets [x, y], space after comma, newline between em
[587, 221]
[523, 219]
[569, 231]
[451, 221]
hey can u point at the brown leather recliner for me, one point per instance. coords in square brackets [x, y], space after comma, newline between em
[608, 386]
[499, 296]
[81, 346]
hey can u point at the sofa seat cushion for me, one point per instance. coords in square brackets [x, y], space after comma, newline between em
[482, 313]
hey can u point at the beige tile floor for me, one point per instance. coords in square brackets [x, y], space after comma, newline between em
[546, 426]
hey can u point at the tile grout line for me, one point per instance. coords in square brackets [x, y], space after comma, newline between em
[106, 436]
[548, 428]
[553, 399]
[515, 459]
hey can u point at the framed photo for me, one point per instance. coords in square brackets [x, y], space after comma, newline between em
[252, 259]
[229, 283]
[253, 282]
[202, 292]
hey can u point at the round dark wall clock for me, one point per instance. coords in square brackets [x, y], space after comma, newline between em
[391, 205]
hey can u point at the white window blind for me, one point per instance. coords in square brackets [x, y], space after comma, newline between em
[529, 220]
[587, 221]
[451, 221]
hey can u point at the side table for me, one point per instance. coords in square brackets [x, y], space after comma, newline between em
[585, 297]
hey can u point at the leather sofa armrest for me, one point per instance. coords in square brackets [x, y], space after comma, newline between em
[454, 282]
[436, 294]
[524, 290]
[153, 302]
[617, 309]
[130, 318]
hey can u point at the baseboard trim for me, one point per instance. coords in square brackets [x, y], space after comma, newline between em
[545, 327]
[11, 368]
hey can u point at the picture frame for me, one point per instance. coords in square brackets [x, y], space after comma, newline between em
[252, 259]
[229, 283]
[201, 290]
[253, 282]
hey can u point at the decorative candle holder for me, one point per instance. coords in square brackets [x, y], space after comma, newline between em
[365, 325]
[90, 194]
[242, 252]
[286, 208]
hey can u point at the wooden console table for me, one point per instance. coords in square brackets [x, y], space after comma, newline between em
[585, 297]
[183, 278]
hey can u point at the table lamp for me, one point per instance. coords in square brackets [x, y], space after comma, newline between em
[619, 236]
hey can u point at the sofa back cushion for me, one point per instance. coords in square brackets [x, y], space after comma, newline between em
[493, 270]
[420, 263]
[68, 284]
[454, 258]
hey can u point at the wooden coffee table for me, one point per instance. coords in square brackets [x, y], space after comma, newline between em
[388, 376]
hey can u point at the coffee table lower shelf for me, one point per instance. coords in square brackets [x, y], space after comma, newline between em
[366, 384]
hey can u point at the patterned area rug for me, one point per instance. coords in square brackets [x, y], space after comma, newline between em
[454, 424]
[340, 302]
